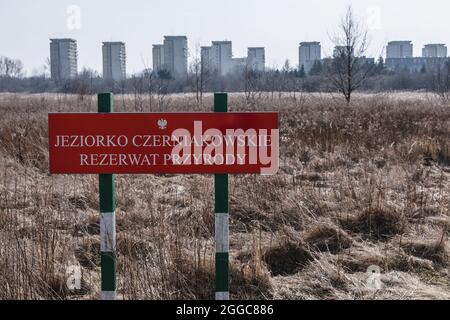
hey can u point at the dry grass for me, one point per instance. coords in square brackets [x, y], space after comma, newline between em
[378, 224]
[286, 258]
[363, 185]
[328, 237]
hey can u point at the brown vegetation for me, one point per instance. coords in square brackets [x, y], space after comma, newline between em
[359, 185]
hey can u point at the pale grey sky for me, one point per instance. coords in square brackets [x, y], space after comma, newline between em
[278, 25]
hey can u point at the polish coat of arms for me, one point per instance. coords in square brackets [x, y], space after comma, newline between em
[162, 124]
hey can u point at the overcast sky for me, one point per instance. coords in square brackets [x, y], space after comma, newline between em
[278, 25]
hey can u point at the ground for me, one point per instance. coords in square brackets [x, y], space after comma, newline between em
[358, 210]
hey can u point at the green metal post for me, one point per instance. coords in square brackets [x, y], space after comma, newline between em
[221, 218]
[107, 218]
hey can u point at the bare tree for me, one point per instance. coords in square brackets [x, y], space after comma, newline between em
[162, 88]
[123, 88]
[252, 83]
[10, 73]
[200, 74]
[47, 67]
[149, 77]
[206, 74]
[270, 80]
[137, 83]
[285, 84]
[297, 87]
[347, 70]
[441, 80]
[84, 83]
[195, 74]
[10, 68]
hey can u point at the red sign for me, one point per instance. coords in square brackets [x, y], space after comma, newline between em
[106, 143]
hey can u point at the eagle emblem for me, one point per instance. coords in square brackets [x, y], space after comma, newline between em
[162, 124]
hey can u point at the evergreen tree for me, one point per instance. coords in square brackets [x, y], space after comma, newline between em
[301, 72]
[380, 66]
[316, 68]
[164, 74]
[423, 69]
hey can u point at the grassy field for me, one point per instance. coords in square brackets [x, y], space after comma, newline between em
[359, 186]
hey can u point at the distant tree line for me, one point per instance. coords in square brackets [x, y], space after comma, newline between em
[327, 76]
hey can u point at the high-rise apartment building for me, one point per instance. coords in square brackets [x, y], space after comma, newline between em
[222, 57]
[434, 50]
[158, 57]
[63, 59]
[309, 54]
[206, 58]
[114, 61]
[399, 49]
[175, 55]
[256, 58]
